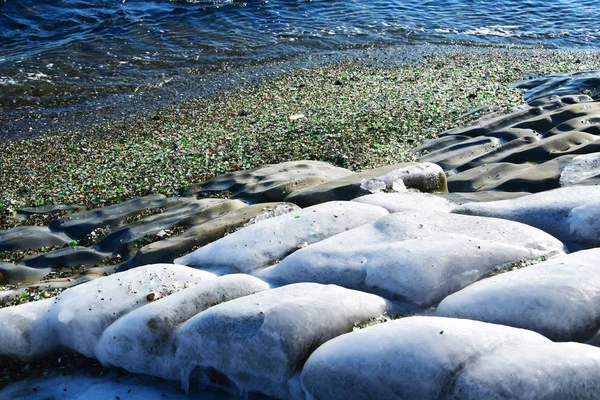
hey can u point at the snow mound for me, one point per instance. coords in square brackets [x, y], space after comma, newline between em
[23, 332]
[77, 317]
[143, 341]
[551, 371]
[411, 358]
[549, 211]
[415, 257]
[397, 202]
[261, 244]
[258, 343]
[559, 298]
[584, 223]
[580, 168]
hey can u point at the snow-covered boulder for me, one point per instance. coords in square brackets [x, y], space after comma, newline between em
[580, 168]
[550, 371]
[411, 358]
[563, 213]
[263, 243]
[143, 341]
[397, 202]
[23, 331]
[80, 314]
[258, 343]
[416, 257]
[559, 298]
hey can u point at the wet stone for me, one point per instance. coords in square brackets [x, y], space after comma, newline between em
[66, 257]
[31, 237]
[204, 232]
[425, 177]
[80, 224]
[271, 182]
[123, 239]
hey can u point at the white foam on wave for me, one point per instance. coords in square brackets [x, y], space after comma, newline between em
[5, 81]
[494, 30]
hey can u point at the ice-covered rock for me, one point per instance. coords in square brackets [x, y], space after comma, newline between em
[559, 298]
[580, 168]
[417, 257]
[80, 315]
[426, 177]
[584, 223]
[396, 202]
[258, 343]
[557, 212]
[23, 331]
[263, 243]
[550, 371]
[411, 358]
[143, 341]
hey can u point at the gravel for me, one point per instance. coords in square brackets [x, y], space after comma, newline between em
[354, 114]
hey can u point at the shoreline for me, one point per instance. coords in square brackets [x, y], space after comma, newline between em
[354, 112]
[360, 105]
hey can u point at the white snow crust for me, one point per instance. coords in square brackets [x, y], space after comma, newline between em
[78, 316]
[559, 298]
[419, 271]
[143, 341]
[549, 211]
[261, 244]
[397, 202]
[580, 168]
[551, 371]
[410, 358]
[584, 223]
[260, 341]
[23, 332]
[413, 257]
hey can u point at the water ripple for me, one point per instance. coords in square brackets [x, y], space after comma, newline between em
[81, 47]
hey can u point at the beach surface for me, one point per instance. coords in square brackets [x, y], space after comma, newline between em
[277, 236]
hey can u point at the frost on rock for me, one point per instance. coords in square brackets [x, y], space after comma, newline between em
[559, 298]
[263, 243]
[258, 343]
[549, 211]
[551, 371]
[397, 202]
[411, 358]
[143, 341]
[415, 257]
[580, 168]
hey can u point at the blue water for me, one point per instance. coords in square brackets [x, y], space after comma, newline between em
[63, 51]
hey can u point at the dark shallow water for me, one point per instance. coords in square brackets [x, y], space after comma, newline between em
[57, 53]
